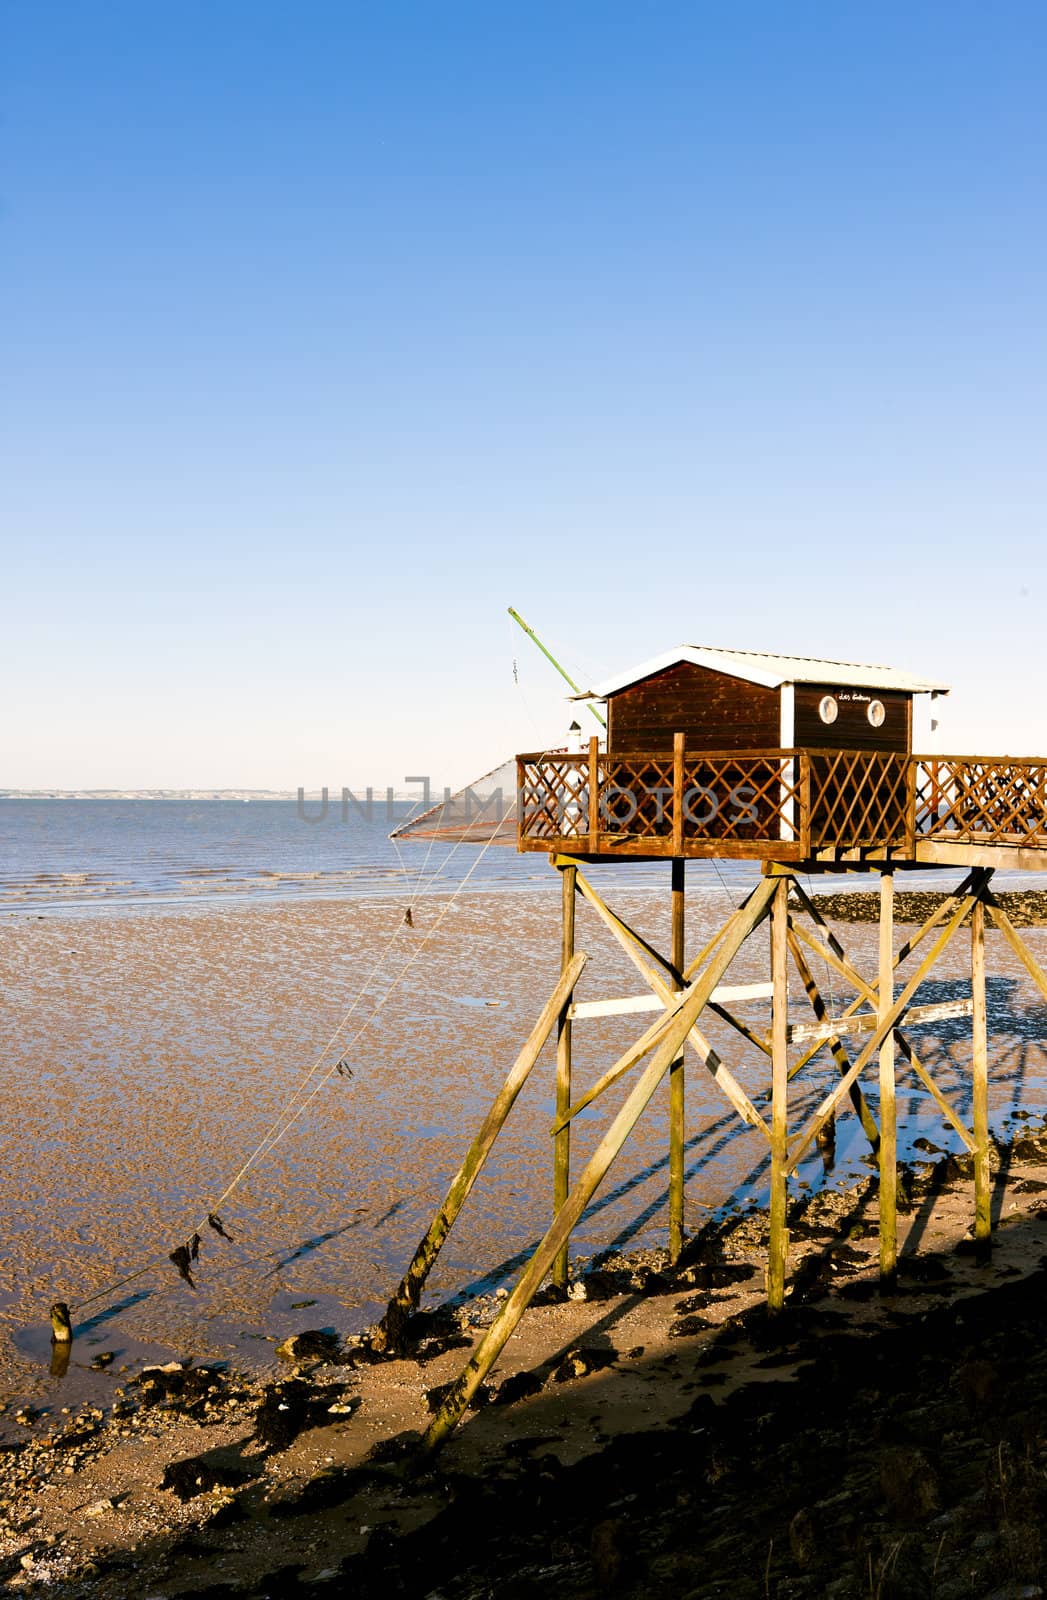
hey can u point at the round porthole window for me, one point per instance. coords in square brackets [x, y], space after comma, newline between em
[876, 713]
[828, 710]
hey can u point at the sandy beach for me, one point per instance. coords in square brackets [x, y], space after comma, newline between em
[145, 1056]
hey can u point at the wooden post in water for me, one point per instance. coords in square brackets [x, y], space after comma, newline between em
[562, 1144]
[778, 1248]
[982, 1197]
[888, 1109]
[61, 1326]
[676, 1071]
[676, 1076]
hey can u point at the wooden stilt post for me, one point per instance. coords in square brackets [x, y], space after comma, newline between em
[594, 794]
[562, 1143]
[388, 1334]
[493, 1342]
[888, 1110]
[982, 1214]
[676, 1071]
[778, 1249]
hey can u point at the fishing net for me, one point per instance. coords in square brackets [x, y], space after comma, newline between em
[484, 812]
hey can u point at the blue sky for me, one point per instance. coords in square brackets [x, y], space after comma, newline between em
[330, 330]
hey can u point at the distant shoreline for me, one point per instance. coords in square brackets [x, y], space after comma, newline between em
[181, 794]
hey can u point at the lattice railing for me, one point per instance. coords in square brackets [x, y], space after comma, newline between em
[859, 798]
[553, 796]
[766, 802]
[980, 800]
[748, 797]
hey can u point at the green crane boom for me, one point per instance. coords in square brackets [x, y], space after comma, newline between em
[550, 657]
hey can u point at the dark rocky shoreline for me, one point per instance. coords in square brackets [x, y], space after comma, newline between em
[878, 1446]
[904, 1464]
[1026, 908]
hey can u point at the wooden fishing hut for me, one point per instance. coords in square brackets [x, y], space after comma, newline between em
[806, 767]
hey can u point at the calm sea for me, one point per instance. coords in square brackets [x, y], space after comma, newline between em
[66, 855]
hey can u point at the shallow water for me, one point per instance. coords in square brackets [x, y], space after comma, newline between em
[64, 855]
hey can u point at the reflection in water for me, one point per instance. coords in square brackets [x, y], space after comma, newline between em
[61, 1352]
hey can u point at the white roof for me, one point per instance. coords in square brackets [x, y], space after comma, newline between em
[771, 671]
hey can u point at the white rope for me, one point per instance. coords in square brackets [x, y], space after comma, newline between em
[408, 964]
[288, 1115]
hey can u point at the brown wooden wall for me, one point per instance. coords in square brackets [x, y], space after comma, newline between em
[852, 729]
[713, 712]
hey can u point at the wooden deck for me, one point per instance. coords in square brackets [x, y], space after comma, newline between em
[813, 806]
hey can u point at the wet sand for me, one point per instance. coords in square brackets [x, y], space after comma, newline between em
[144, 1056]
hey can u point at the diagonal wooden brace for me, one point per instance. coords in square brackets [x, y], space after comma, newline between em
[950, 1115]
[720, 1074]
[629, 1058]
[836, 1045]
[971, 883]
[884, 1026]
[696, 997]
[389, 1332]
[867, 992]
[626, 936]
[1017, 943]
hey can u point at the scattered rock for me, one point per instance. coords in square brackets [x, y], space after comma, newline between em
[594, 1286]
[581, 1361]
[224, 1510]
[397, 1448]
[1030, 1148]
[518, 1386]
[316, 1344]
[803, 1538]
[289, 1408]
[605, 1552]
[184, 1388]
[196, 1475]
[910, 1484]
[687, 1327]
[979, 1382]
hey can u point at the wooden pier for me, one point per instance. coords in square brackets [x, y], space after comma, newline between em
[810, 807]
[698, 790]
